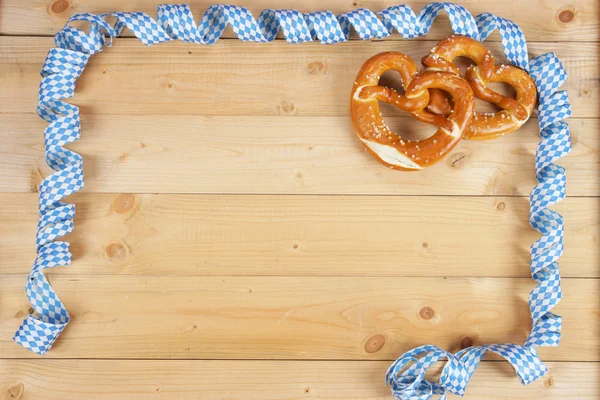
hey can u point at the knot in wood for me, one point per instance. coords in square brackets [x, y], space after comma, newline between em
[59, 6]
[426, 313]
[374, 343]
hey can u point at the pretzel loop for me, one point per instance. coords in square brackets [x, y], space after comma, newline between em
[514, 112]
[388, 147]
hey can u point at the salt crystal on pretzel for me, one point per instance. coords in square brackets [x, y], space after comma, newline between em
[514, 112]
[389, 148]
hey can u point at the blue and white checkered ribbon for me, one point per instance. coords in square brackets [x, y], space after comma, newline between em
[406, 377]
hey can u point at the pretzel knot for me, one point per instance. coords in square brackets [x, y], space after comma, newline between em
[514, 112]
[386, 146]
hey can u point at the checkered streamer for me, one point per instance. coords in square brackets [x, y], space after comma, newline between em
[406, 377]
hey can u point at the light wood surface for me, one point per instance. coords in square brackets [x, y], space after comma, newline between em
[353, 318]
[538, 18]
[234, 240]
[266, 380]
[148, 234]
[277, 155]
[276, 79]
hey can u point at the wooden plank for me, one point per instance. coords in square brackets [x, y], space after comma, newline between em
[574, 21]
[274, 79]
[266, 380]
[301, 235]
[300, 155]
[296, 317]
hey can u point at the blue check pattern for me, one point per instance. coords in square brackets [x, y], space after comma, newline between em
[406, 377]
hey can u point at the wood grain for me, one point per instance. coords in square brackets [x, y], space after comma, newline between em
[202, 271]
[573, 21]
[300, 155]
[301, 235]
[296, 317]
[276, 78]
[266, 380]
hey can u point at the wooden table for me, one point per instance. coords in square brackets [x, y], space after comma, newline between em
[234, 241]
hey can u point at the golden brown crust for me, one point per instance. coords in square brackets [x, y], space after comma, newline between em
[388, 147]
[514, 112]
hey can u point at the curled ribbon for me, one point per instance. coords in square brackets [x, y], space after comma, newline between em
[406, 376]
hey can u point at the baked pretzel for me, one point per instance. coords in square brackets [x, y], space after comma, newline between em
[514, 112]
[388, 147]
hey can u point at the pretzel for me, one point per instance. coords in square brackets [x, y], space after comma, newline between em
[388, 147]
[514, 112]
